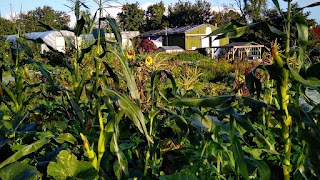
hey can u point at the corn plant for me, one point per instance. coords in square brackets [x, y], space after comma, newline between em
[284, 68]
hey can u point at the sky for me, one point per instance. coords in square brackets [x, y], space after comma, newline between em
[8, 7]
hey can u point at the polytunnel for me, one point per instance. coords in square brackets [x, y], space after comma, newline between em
[55, 39]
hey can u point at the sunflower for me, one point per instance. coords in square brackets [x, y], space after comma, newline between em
[148, 61]
[130, 54]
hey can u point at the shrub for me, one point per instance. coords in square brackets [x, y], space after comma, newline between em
[145, 46]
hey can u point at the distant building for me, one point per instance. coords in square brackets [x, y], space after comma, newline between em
[188, 37]
[241, 50]
[171, 49]
[126, 36]
[53, 39]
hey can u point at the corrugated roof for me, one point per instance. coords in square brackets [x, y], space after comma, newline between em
[234, 44]
[178, 30]
[171, 48]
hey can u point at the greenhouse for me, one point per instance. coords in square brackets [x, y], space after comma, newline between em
[54, 39]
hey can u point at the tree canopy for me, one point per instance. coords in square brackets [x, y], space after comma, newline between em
[132, 17]
[185, 13]
[29, 21]
[155, 18]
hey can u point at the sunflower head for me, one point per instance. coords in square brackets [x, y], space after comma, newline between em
[148, 61]
[130, 54]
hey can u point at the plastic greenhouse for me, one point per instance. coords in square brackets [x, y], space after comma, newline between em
[54, 39]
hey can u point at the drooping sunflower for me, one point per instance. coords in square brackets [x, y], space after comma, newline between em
[148, 61]
[130, 54]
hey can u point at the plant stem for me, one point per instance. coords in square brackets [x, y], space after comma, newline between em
[146, 163]
[284, 101]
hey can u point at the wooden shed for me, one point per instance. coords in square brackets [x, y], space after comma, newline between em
[188, 37]
[247, 50]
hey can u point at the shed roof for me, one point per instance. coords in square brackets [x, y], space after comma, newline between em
[240, 45]
[177, 30]
[171, 48]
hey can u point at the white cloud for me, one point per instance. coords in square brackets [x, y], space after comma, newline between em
[146, 5]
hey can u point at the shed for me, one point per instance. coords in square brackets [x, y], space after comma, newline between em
[55, 39]
[250, 50]
[171, 49]
[127, 37]
[188, 37]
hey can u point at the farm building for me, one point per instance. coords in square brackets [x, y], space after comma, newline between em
[189, 37]
[248, 50]
[127, 37]
[55, 39]
[171, 49]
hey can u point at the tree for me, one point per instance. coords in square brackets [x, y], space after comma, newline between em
[155, 18]
[225, 16]
[132, 17]
[6, 27]
[275, 19]
[251, 9]
[185, 13]
[57, 19]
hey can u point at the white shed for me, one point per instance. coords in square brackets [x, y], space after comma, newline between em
[55, 39]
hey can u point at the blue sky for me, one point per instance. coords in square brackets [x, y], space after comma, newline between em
[25, 5]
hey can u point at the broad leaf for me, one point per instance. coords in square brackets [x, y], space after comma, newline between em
[67, 166]
[20, 171]
[66, 137]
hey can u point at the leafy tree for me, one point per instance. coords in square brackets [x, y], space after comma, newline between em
[29, 21]
[155, 18]
[275, 19]
[251, 9]
[6, 27]
[225, 16]
[185, 13]
[132, 17]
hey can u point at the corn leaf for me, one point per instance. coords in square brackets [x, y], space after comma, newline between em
[112, 75]
[263, 168]
[276, 3]
[46, 26]
[11, 94]
[45, 73]
[115, 29]
[239, 157]
[308, 6]
[25, 47]
[213, 102]
[303, 81]
[23, 152]
[120, 166]
[132, 111]
[79, 26]
[303, 33]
